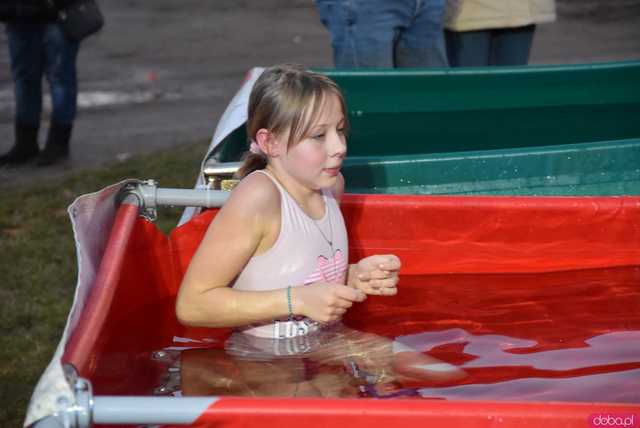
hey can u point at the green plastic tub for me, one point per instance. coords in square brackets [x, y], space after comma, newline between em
[513, 130]
[604, 168]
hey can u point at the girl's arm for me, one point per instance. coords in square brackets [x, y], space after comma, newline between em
[232, 238]
[248, 224]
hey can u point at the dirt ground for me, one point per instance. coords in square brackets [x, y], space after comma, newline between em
[161, 72]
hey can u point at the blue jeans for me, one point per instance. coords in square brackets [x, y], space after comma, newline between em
[385, 33]
[502, 46]
[36, 49]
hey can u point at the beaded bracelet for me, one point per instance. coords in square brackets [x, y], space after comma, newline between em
[289, 304]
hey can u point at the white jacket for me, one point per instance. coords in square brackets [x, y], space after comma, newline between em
[468, 15]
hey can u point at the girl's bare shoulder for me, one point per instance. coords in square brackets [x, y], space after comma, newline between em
[255, 193]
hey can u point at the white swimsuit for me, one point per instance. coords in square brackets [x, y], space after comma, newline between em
[306, 251]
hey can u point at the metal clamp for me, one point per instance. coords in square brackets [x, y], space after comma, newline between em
[148, 191]
[221, 176]
[76, 412]
[142, 194]
[82, 411]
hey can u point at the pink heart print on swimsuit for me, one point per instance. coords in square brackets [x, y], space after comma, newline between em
[330, 270]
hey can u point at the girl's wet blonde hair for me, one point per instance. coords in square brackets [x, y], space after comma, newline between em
[286, 99]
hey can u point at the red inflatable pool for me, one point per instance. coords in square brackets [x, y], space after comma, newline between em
[537, 299]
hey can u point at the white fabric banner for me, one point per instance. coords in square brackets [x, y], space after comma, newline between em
[92, 216]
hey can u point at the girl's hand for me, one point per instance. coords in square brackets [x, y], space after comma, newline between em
[324, 302]
[376, 275]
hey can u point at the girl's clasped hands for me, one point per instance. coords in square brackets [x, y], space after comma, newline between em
[327, 302]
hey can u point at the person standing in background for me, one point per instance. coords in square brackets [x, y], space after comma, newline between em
[493, 32]
[38, 47]
[385, 33]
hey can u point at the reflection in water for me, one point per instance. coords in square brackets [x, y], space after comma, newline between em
[614, 387]
[569, 336]
[607, 369]
[494, 350]
[336, 362]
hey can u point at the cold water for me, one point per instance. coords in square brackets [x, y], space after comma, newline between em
[563, 336]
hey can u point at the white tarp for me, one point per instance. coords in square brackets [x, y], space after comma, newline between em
[233, 117]
[92, 216]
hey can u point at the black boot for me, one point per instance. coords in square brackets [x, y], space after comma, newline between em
[57, 147]
[25, 147]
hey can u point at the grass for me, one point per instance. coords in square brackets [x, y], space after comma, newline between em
[38, 263]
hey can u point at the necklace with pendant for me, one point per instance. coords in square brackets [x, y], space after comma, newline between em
[317, 226]
[315, 222]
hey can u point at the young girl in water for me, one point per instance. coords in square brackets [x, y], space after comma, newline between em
[274, 261]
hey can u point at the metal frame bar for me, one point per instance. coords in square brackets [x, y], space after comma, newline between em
[124, 410]
[150, 196]
[149, 410]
